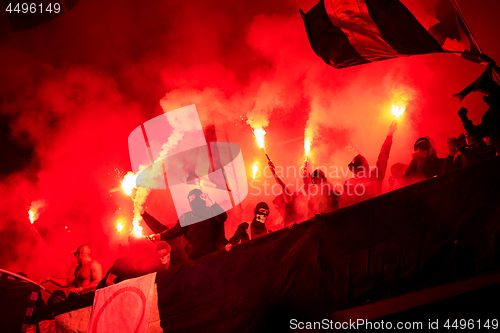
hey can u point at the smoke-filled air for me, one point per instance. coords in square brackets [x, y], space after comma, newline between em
[73, 89]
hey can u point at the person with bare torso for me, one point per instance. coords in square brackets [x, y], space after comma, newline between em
[87, 274]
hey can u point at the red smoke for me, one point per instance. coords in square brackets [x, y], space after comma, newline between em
[74, 88]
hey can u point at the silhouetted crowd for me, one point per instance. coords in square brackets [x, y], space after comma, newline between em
[201, 230]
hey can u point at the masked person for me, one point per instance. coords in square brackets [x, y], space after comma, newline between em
[425, 163]
[257, 226]
[163, 254]
[367, 183]
[177, 254]
[203, 226]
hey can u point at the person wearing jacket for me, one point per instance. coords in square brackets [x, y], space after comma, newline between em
[203, 226]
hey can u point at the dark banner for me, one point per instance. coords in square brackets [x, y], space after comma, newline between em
[429, 233]
[17, 303]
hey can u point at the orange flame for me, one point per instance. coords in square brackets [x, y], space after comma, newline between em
[128, 182]
[255, 168]
[307, 146]
[119, 227]
[32, 216]
[137, 229]
[397, 110]
[259, 135]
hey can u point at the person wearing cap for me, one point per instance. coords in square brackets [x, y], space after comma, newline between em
[367, 183]
[203, 226]
[257, 226]
[86, 277]
[425, 163]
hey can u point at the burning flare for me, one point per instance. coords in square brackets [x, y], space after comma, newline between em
[137, 229]
[259, 135]
[307, 146]
[255, 168]
[35, 210]
[119, 227]
[397, 111]
[128, 182]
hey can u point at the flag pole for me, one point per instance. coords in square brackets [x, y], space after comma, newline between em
[470, 32]
[29, 281]
[467, 26]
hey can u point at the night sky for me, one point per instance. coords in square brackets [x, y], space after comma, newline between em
[73, 89]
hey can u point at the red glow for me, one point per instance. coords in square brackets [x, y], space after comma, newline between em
[75, 106]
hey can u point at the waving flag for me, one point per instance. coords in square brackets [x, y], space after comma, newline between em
[353, 32]
[123, 307]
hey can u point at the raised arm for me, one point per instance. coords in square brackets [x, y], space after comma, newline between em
[306, 175]
[153, 224]
[217, 210]
[171, 233]
[478, 131]
[383, 156]
[287, 194]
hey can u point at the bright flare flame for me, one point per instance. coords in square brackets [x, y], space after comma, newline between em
[137, 229]
[128, 182]
[397, 111]
[259, 135]
[307, 146]
[255, 168]
[119, 227]
[32, 216]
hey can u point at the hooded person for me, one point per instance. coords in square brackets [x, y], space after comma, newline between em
[203, 226]
[257, 226]
[396, 178]
[367, 183]
[490, 122]
[425, 163]
[321, 196]
[292, 206]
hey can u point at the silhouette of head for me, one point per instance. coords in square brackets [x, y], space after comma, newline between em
[359, 166]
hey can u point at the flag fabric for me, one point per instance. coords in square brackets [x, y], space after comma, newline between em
[17, 302]
[482, 83]
[67, 322]
[353, 32]
[124, 307]
[73, 315]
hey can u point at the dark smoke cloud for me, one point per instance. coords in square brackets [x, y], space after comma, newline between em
[74, 88]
